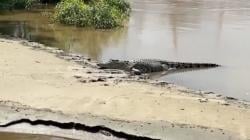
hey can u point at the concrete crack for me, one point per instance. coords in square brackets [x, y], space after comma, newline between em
[82, 127]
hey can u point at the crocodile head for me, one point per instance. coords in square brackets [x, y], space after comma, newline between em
[115, 64]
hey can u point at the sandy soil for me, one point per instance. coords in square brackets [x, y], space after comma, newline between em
[42, 80]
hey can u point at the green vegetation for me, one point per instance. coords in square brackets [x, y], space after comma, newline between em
[16, 4]
[101, 14]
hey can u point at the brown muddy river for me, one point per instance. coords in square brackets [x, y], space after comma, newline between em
[176, 30]
[16, 136]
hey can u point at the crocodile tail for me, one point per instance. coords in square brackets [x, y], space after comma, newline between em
[178, 65]
[196, 65]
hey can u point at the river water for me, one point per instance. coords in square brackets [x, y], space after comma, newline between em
[214, 31]
[16, 136]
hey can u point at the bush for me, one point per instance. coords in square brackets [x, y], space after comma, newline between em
[120, 5]
[104, 17]
[102, 14]
[73, 12]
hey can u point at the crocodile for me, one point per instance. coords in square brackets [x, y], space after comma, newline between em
[145, 66]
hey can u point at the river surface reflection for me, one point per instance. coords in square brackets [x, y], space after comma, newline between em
[214, 31]
[17, 136]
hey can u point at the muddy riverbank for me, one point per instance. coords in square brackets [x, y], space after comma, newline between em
[184, 30]
[45, 84]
